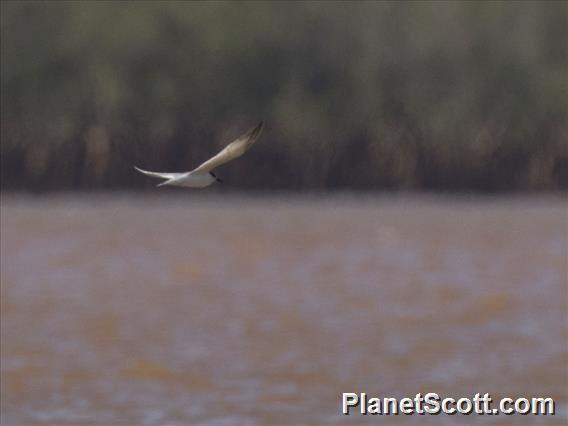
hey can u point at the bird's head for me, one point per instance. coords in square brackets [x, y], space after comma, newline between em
[215, 177]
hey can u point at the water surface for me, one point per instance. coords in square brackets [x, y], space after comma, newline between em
[143, 310]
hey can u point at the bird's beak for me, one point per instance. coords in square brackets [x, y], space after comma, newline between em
[218, 180]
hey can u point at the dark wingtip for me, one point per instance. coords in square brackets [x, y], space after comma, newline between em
[256, 131]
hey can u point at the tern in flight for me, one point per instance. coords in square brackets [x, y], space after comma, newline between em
[203, 176]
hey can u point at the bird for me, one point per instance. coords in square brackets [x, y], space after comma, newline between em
[203, 176]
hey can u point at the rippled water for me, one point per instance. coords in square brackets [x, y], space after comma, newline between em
[182, 310]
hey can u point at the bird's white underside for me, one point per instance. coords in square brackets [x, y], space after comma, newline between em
[201, 176]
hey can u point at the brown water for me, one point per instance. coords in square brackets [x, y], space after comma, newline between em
[183, 310]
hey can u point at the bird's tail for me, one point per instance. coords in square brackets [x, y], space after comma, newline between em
[158, 174]
[166, 182]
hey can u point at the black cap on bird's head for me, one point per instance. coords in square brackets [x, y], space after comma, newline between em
[216, 178]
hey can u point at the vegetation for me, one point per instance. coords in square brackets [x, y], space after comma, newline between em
[355, 95]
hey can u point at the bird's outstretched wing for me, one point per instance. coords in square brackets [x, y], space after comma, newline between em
[234, 150]
[160, 175]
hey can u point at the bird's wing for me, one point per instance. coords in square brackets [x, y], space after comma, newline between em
[234, 150]
[160, 175]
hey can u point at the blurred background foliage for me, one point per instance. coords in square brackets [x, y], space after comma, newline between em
[468, 96]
